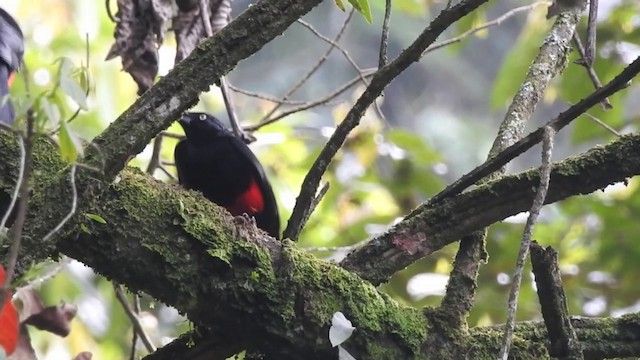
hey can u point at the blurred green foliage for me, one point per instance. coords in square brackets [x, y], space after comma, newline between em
[384, 169]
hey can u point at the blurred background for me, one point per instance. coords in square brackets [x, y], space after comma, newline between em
[440, 119]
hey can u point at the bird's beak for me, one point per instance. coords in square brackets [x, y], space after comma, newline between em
[185, 120]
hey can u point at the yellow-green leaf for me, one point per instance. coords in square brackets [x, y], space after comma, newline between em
[69, 145]
[363, 8]
[96, 218]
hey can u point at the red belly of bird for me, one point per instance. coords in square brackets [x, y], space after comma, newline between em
[250, 202]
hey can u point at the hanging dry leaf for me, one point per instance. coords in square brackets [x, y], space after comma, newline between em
[189, 27]
[139, 32]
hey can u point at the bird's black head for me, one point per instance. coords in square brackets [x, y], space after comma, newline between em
[202, 127]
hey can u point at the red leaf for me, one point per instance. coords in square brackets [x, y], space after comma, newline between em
[8, 322]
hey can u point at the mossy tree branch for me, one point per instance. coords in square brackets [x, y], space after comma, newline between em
[436, 226]
[224, 274]
[154, 111]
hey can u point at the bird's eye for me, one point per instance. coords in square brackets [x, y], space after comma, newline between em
[203, 117]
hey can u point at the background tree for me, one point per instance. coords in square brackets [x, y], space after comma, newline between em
[386, 168]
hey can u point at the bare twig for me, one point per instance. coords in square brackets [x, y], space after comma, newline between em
[133, 317]
[154, 162]
[384, 39]
[603, 124]
[224, 88]
[321, 193]
[380, 80]
[109, 12]
[266, 97]
[486, 25]
[349, 59]
[64, 261]
[308, 105]
[74, 205]
[461, 288]
[538, 202]
[606, 104]
[308, 75]
[565, 118]
[563, 340]
[591, 32]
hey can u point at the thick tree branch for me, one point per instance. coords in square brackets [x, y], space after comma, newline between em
[550, 61]
[225, 274]
[440, 224]
[562, 337]
[154, 111]
[380, 80]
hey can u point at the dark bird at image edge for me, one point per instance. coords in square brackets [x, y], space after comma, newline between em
[11, 52]
[223, 168]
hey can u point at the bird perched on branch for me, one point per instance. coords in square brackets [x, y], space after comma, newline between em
[11, 52]
[221, 166]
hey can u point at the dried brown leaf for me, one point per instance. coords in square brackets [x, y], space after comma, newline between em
[189, 27]
[139, 32]
[55, 319]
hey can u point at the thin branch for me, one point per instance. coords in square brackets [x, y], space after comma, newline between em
[380, 80]
[441, 224]
[321, 193]
[350, 60]
[158, 107]
[41, 279]
[224, 88]
[563, 340]
[266, 97]
[591, 32]
[565, 118]
[133, 317]
[308, 75]
[462, 285]
[74, 205]
[334, 44]
[384, 39]
[588, 65]
[603, 124]
[308, 105]
[486, 25]
[154, 162]
[538, 202]
[172, 135]
[404, 243]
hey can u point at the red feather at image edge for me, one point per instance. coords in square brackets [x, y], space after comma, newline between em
[8, 322]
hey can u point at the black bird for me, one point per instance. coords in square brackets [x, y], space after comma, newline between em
[11, 52]
[221, 166]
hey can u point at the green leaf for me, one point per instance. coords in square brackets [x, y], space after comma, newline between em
[84, 229]
[340, 4]
[96, 218]
[50, 110]
[363, 8]
[74, 90]
[68, 143]
[66, 66]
